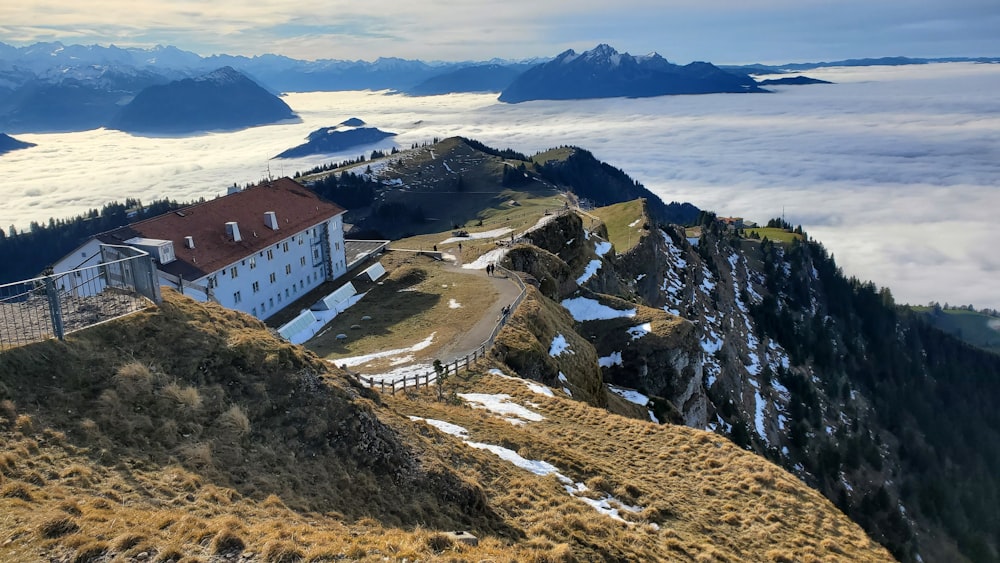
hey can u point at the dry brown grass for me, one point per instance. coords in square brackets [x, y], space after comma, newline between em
[329, 475]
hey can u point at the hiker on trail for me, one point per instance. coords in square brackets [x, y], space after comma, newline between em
[459, 247]
[435, 248]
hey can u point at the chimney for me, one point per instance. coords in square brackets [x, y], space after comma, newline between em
[233, 230]
[189, 242]
[271, 220]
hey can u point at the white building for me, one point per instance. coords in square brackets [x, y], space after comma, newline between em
[255, 250]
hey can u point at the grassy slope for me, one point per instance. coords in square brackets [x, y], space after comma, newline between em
[190, 431]
[412, 302]
[625, 222]
[980, 330]
[777, 235]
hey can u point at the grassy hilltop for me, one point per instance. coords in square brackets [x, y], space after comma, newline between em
[189, 432]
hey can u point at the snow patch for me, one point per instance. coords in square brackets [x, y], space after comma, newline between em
[602, 248]
[615, 359]
[358, 360]
[479, 236]
[500, 404]
[586, 309]
[638, 332]
[452, 304]
[559, 345]
[630, 395]
[589, 271]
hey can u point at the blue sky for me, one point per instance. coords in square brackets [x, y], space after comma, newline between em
[725, 31]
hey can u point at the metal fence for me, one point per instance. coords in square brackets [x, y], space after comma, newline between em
[453, 366]
[55, 305]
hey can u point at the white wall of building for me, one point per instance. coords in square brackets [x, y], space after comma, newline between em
[269, 280]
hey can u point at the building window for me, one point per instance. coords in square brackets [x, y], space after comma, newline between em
[237, 297]
[270, 254]
[288, 269]
[254, 312]
[301, 239]
[279, 298]
[234, 272]
[302, 284]
[315, 254]
[302, 261]
[262, 309]
[274, 277]
[284, 246]
[256, 287]
[253, 262]
[286, 292]
[270, 302]
[336, 245]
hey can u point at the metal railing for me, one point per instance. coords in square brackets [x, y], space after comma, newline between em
[55, 305]
[453, 366]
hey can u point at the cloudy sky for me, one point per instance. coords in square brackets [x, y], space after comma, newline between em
[726, 31]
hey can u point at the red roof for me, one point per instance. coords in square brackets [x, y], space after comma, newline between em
[296, 207]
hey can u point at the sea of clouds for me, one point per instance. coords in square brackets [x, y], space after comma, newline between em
[895, 169]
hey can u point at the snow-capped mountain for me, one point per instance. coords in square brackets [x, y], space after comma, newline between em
[223, 99]
[603, 72]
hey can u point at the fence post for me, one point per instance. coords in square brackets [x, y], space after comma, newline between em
[55, 311]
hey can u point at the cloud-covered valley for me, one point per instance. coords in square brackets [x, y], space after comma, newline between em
[895, 169]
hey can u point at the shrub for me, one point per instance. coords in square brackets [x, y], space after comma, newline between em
[90, 552]
[234, 421]
[184, 397]
[281, 552]
[127, 541]
[57, 527]
[134, 380]
[16, 490]
[439, 542]
[226, 542]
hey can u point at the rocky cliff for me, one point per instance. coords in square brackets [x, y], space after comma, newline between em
[769, 344]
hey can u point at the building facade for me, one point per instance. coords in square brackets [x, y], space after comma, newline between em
[256, 250]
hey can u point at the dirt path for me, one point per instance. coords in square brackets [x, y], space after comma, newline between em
[507, 290]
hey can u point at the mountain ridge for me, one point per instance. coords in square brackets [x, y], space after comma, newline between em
[603, 72]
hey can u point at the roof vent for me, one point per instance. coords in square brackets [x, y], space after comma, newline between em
[271, 220]
[233, 230]
[189, 242]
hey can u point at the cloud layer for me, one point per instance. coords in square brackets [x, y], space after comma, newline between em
[722, 30]
[895, 169]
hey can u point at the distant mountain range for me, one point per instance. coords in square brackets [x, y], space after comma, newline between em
[603, 72]
[224, 99]
[57, 87]
[477, 78]
[8, 143]
[347, 135]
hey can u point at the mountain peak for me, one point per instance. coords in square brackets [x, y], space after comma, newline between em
[223, 75]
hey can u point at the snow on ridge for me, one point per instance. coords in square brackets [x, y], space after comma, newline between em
[479, 236]
[500, 404]
[602, 248]
[615, 359]
[538, 388]
[608, 505]
[587, 309]
[589, 271]
[446, 427]
[559, 345]
[639, 331]
[358, 360]
[491, 257]
[630, 395]
[758, 418]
